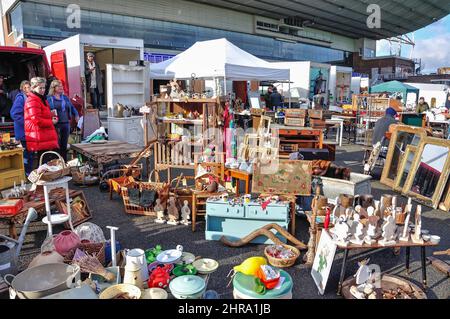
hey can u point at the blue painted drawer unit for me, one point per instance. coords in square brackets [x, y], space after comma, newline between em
[238, 221]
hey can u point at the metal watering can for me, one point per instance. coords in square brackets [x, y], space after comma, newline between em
[10, 250]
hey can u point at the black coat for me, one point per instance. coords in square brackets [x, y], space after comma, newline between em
[276, 99]
[98, 74]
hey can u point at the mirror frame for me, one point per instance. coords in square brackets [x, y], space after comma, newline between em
[445, 203]
[409, 149]
[390, 155]
[436, 199]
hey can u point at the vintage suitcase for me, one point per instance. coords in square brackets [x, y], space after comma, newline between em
[310, 154]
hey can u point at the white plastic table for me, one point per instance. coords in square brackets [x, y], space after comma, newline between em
[57, 218]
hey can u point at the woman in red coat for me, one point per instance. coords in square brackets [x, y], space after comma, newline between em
[40, 131]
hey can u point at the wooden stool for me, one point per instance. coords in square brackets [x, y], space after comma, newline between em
[199, 199]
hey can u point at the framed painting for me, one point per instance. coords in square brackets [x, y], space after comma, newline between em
[429, 172]
[282, 177]
[402, 136]
[323, 261]
[79, 209]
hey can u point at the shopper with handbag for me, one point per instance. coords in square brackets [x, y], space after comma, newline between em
[65, 111]
[40, 133]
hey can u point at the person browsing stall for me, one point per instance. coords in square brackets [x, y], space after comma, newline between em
[5, 102]
[382, 125]
[65, 110]
[93, 80]
[276, 99]
[423, 106]
[40, 132]
[17, 115]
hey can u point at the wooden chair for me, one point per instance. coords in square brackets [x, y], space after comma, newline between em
[200, 196]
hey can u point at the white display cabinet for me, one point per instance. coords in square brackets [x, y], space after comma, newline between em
[126, 85]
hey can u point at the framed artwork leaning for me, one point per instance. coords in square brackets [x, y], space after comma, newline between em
[429, 172]
[79, 209]
[283, 177]
[402, 136]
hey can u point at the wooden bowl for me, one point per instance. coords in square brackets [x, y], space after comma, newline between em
[113, 291]
[387, 282]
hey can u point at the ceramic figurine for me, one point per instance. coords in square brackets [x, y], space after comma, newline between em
[185, 213]
[389, 229]
[405, 230]
[159, 209]
[358, 237]
[372, 232]
[417, 236]
[172, 211]
[341, 230]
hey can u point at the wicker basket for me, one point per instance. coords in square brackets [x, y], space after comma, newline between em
[95, 249]
[283, 263]
[50, 176]
[140, 210]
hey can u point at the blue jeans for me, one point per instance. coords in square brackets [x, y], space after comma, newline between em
[27, 158]
[63, 130]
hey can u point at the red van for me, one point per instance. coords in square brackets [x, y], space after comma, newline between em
[16, 65]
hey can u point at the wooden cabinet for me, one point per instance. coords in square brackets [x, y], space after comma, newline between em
[11, 168]
[175, 118]
[237, 221]
[302, 137]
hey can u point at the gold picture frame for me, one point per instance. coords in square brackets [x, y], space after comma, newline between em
[264, 125]
[408, 158]
[402, 136]
[434, 166]
[445, 204]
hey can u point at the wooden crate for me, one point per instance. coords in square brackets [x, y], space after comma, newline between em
[294, 121]
[295, 113]
[315, 114]
[317, 123]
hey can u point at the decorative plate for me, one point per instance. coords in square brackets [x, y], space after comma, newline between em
[186, 258]
[206, 266]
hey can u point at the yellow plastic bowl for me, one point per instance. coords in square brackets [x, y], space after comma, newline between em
[113, 291]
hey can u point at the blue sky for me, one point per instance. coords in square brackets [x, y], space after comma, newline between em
[432, 46]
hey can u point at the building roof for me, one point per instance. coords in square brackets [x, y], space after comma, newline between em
[345, 17]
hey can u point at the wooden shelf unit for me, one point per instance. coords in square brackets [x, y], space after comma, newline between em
[11, 168]
[167, 150]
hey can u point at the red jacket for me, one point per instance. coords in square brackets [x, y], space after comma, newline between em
[40, 132]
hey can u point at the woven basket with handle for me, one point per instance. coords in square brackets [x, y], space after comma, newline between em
[140, 210]
[50, 176]
[283, 263]
[95, 249]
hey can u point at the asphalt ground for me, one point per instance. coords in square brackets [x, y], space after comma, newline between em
[141, 232]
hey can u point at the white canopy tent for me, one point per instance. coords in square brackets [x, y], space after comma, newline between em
[217, 59]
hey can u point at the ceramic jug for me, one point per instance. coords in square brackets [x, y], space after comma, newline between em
[137, 257]
[133, 276]
[66, 241]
